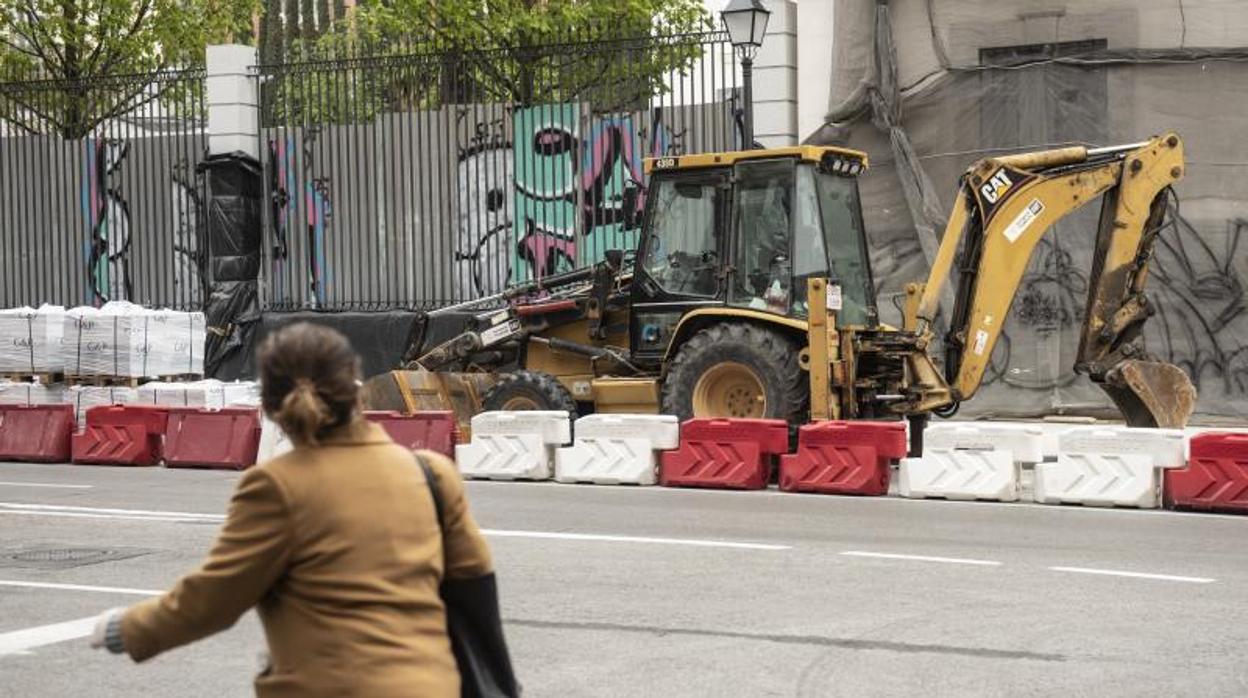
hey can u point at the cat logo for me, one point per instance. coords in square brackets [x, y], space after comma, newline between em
[996, 186]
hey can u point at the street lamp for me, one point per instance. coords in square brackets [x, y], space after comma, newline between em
[746, 22]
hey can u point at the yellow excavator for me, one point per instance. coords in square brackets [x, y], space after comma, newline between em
[750, 294]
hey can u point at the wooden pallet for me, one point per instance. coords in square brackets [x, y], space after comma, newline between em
[181, 378]
[39, 378]
[105, 381]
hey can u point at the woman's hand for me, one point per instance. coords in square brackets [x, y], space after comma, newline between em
[107, 632]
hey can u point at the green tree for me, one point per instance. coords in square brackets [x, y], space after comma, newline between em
[75, 44]
[615, 54]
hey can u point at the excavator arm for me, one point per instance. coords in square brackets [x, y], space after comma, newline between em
[1004, 207]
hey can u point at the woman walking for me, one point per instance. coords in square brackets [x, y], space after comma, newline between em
[337, 544]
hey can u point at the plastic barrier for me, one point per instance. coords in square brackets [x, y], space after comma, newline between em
[1216, 476]
[725, 453]
[971, 461]
[513, 445]
[843, 457]
[227, 438]
[1109, 466]
[36, 433]
[616, 449]
[121, 435]
[433, 431]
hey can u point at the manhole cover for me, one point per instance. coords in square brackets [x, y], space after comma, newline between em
[63, 558]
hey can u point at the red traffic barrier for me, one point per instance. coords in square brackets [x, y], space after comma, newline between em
[36, 434]
[433, 431]
[843, 458]
[1216, 476]
[121, 435]
[724, 453]
[227, 438]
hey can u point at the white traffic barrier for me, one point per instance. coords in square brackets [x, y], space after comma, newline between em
[617, 449]
[273, 441]
[1109, 466]
[971, 461]
[513, 445]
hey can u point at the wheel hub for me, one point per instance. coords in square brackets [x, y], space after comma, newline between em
[729, 389]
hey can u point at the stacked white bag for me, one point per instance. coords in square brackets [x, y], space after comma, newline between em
[176, 343]
[30, 340]
[209, 394]
[17, 393]
[84, 397]
[125, 340]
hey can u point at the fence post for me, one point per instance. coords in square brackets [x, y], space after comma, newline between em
[233, 100]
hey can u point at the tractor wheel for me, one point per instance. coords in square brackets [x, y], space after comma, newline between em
[528, 390]
[736, 370]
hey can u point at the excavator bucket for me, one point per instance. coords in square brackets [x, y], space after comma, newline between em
[421, 391]
[1151, 393]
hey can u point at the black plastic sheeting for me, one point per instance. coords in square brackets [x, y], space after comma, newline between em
[234, 231]
[380, 338]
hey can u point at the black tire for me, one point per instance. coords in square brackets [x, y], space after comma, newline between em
[771, 356]
[528, 390]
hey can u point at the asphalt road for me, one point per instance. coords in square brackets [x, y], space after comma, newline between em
[658, 592]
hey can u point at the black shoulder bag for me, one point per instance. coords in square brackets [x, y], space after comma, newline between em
[475, 624]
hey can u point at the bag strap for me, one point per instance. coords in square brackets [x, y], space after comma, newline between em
[430, 479]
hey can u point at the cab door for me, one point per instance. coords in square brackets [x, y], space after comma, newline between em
[679, 262]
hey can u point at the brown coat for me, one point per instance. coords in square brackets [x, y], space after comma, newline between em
[339, 548]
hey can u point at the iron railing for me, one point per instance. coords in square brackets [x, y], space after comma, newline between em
[99, 199]
[433, 175]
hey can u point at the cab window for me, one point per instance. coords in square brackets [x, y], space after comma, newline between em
[682, 250]
[847, 253]
[762, 271]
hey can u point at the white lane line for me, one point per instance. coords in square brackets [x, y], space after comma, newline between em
[98, 510]
[1136, 575]
[174, 516]
[46, 484]
[79, 587]
[20, 641]
[922, 558]
[113, 517]
[634, 539]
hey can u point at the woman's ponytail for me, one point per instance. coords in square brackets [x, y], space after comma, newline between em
[303, 414]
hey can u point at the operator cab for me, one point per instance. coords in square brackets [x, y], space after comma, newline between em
[746, 230]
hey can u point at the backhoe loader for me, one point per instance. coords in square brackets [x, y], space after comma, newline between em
[750, 294]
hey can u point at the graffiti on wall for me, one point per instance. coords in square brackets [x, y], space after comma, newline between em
[107, 215]
[188, 208]
[1202, 312]
[291, 161]
[485, 195]
[551, 197]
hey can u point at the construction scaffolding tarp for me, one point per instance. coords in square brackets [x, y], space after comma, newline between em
[929, 86]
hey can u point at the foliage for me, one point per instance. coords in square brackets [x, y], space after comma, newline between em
[615, 53]
[76, 43]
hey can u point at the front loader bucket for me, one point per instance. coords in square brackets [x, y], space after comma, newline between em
[421, 391]
[1151, 393]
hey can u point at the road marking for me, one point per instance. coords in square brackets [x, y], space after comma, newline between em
[98, 510]
[79, 587]
[634, 539]
[1136, 575]
[922, 558]
[175, 516]
[47, 484]
[102, 513]
[19, 641]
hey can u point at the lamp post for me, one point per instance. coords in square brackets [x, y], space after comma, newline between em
[746, 23]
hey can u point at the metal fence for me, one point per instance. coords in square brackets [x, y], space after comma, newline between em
[99, 199]
[437, 175]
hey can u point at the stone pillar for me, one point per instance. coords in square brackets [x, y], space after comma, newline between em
[775, 78]
[233, 100]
